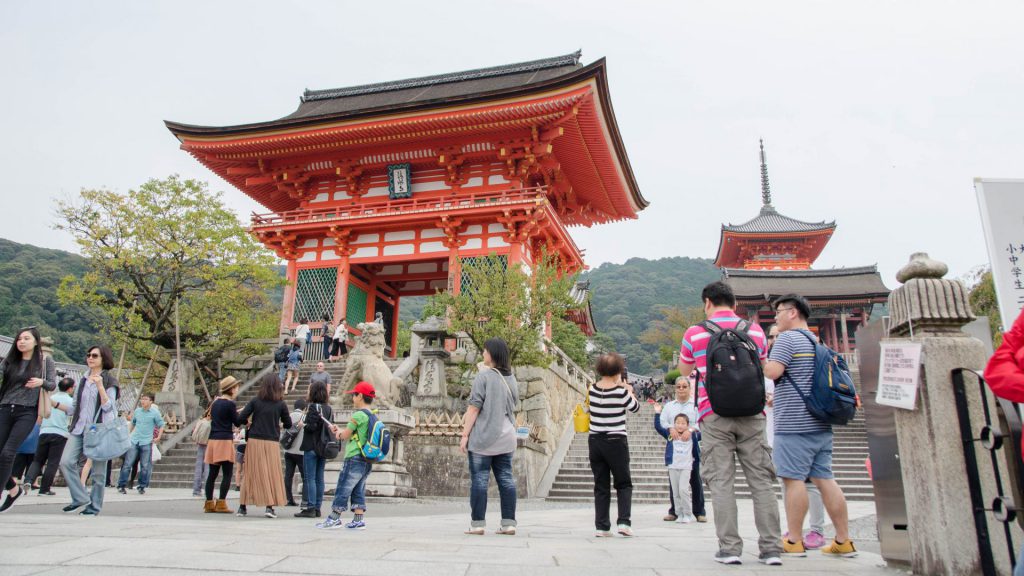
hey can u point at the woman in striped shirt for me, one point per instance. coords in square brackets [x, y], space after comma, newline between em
[610, 397]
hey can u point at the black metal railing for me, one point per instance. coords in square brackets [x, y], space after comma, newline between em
[1001, 431]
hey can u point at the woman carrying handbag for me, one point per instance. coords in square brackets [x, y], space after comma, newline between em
[27, 376]
[95, 404]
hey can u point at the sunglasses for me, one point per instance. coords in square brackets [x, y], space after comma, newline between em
[93, 355]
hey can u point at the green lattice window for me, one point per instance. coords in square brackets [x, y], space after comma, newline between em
[314, 293]
[477, 261]
[355, 312]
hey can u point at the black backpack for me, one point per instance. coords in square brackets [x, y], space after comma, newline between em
[326, 444]
[733, 378]
[282, 353]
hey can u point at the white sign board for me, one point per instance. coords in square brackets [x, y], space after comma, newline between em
[1002, 218]
[899, 374]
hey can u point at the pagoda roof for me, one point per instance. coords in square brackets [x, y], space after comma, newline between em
[769, 221]
[855, 283]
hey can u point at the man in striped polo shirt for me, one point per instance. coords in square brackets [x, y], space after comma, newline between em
[803, 444]
[724, 437]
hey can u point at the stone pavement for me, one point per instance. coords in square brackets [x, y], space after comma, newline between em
[164, 533]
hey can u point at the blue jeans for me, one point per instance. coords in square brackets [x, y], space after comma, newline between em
[281, 367]
[144, 454]
[352, 485]
[72, 473]
[480, 468]
[1018, 570]
[314, 479]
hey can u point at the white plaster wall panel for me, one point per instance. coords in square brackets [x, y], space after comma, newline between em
[474, 243]
[311, 243]
[400, 235]
[417, 285]
[497, 179]
[367, 239]
[444, 266]
[428, 186]
[474, 181]
[341, 196]
[422, 267]
[329, 255]
[433, 247]
[394, 269]
[365, 252]
[329, 242]
[307, 257]
[323, 197]
[442, 284]
[376, 191]
[431, 233]
[496, 228]
[399, 249]
[474, 229]
[496, 242]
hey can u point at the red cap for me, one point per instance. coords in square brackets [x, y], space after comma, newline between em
[364, 388]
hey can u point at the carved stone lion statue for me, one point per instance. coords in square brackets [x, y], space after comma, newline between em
[366, 362]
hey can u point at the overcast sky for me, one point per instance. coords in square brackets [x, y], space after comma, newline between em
[875, 114]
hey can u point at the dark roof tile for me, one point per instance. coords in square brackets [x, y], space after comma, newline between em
[771, 221]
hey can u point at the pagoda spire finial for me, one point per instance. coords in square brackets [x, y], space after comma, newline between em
[766, 191]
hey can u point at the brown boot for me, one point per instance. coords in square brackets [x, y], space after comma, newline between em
[208, 507]
[222, 507]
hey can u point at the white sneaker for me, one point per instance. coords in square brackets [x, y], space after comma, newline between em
[506, 530]
[689, 518]
[681, 520]
[603, 534]
[725, 558]
[625, 530]
[475, 531]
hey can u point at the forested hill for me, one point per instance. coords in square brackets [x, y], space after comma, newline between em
[626, 298]
[29, 278]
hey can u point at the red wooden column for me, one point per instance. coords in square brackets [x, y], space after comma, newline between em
[341, 290]
[288, 306]
[371, 299]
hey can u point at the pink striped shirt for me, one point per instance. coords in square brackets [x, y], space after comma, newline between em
[695, 347]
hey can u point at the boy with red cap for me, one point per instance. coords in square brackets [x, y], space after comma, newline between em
[352, 480]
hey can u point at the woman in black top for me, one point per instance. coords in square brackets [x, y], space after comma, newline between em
[220, 449]
[24, 371]
[262, 474]
[317, 412]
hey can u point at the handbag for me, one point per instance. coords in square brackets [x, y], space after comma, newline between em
[326, 444]
[44, 406]
[289, 435]
[106, 440]
[581, 416]
[201, 433]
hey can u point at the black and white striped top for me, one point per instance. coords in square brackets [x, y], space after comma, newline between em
[608, 409]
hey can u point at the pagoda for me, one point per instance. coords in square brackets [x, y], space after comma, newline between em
[771, 255]
[381, 191]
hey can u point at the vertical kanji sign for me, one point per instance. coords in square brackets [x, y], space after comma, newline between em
[1002, 218]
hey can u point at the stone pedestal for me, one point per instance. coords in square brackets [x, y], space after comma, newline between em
[942, 534]
[169, 398]
[390, 477]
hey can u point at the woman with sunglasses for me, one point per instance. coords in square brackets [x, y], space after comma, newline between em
[95, 401]
[24, 371]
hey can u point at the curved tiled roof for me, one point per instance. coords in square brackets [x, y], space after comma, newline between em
[771, 221]
[857, 282]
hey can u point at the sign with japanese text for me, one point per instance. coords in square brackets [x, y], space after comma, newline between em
[1002, 220]
[899, 374]
[399, 181]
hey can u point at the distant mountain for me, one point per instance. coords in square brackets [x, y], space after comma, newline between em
[29, 278]
[625, 298]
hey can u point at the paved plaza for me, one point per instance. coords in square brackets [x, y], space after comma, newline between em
[165, 533]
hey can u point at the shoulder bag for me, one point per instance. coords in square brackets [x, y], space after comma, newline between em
[106, 440]
[581, 415]
[44, 405]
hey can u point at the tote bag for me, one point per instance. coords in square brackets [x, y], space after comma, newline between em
[106, 440]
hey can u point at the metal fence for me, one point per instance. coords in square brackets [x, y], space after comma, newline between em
[999, 436]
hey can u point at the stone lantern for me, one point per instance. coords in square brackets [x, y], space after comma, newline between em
[432, 389]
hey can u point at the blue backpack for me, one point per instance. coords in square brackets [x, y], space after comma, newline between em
[833, 398]
[377, 444]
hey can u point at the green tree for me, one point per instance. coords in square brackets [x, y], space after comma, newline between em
[984, 303]
[167, 240]
[667, 332]
[571, 340]
[504, 301]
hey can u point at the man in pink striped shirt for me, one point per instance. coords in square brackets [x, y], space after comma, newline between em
[723, 437]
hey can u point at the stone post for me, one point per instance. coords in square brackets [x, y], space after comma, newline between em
[942, 534]
[432, 389]
[167, 398]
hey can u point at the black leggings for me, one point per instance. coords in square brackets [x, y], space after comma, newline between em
[16, 424]
[225, 482]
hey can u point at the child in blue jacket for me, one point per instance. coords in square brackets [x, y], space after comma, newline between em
[679, 461]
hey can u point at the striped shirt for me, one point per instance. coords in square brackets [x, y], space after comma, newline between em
[794, 351]
[695, 347]
[608, 409]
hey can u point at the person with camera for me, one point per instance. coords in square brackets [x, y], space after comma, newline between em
[610, 398]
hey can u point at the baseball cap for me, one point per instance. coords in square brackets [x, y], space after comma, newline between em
[364, 388]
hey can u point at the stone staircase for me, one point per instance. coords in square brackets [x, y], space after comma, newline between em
[176, 468]
[574, 482]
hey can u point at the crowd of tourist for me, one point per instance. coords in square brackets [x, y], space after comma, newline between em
[761, 421]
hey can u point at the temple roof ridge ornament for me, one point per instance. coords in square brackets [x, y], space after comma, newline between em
[766, 191]
[424, 81]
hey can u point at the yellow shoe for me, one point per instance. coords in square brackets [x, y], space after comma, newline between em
[793, 550]
[846, 549]
[209, 506]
